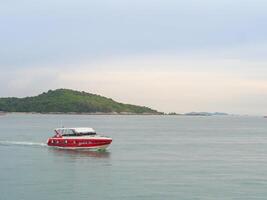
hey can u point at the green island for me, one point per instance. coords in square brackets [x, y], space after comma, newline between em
[71, 101]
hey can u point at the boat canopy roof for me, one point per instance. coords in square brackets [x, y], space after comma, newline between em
[76, 130]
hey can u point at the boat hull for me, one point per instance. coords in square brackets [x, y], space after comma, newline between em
[73, 143]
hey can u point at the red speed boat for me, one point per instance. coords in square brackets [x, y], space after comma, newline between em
[78, 138]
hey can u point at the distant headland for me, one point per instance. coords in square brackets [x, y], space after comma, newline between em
[67, 101]
[206, 114]
[72, 102]
[200, 114]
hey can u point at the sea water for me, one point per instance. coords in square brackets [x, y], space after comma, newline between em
[151, 157]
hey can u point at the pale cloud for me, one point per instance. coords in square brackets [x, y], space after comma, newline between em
[176, 89]
[26, 82]
[59, 32]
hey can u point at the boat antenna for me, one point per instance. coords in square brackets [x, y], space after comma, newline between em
[62, 126]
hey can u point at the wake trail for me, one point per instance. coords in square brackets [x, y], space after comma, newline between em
[22, 143]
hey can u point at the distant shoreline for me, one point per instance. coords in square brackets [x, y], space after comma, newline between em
[2, 113]
[77, 113]
[67, 101]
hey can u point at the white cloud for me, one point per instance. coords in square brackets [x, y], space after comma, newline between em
[173, 90]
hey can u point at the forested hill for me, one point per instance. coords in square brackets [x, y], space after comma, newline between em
[70, 101]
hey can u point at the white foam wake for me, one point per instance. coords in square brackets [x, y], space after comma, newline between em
[21, 143]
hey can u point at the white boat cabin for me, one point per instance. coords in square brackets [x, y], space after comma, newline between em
[75, 131]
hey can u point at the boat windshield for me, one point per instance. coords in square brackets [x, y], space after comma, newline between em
[74, 132]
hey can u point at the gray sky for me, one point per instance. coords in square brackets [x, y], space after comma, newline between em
[180, 56]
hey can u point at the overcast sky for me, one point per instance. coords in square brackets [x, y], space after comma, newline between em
[172, 55]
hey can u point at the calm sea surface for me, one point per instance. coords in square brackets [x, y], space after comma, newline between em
[151, 157]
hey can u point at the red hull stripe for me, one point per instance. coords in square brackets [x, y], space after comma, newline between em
[62, 142]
